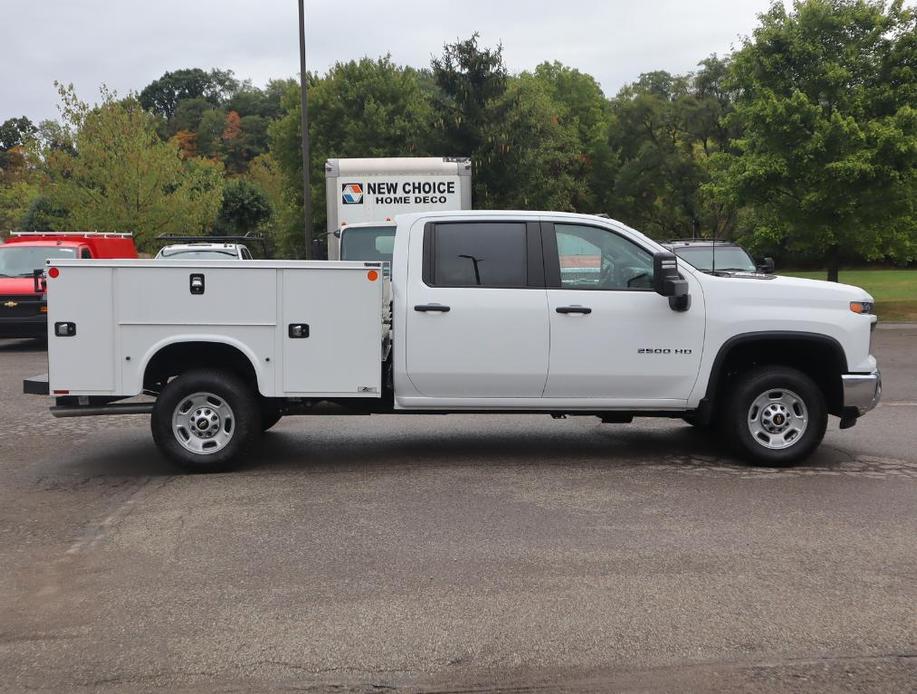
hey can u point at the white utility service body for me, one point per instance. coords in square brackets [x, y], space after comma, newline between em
[487, 311]
[363, 190]
[246, 305]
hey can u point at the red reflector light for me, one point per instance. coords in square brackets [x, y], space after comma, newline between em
[53, 272]
[62, 392]
[372, 275]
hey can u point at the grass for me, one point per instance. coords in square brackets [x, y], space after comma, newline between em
[895, 291]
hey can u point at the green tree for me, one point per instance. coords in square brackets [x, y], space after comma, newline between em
[578, 102]
[16, 199]
[825, 165]
[123, 177]
[656, 184]
[163, 95]
[210, 133]
[44, 214]
[364, 108]
[532, 156]
[15, 134]
[244, 208]
[267, 102]
[469, 82]
[188, 114]
[469, 78]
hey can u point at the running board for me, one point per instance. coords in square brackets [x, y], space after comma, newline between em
[95, 410]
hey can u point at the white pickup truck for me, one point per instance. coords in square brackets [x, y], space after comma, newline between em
[498, 312]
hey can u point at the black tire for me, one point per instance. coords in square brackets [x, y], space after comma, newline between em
[270, 415]
[237, 423]
[789, 392]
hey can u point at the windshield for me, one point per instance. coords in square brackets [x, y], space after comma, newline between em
[728, 258]
[197, 254]
[368, 243]
[22, 261]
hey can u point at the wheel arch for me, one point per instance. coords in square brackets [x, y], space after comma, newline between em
[821, 357]
[172, 357]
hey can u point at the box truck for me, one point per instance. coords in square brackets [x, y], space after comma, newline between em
[370, 191]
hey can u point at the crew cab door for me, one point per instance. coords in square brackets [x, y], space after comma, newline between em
[612, 336]
[476, 312]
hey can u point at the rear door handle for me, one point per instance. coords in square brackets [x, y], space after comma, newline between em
[574, 309]
[432, 307]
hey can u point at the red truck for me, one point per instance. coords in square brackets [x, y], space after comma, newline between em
[23, 307]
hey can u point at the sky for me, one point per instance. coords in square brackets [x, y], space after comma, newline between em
[126, 44]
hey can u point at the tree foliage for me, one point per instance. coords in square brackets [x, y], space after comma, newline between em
[361, 108]
[163, 95]
[122, 177]
[825, 161]
[801, 142]
[244, 208]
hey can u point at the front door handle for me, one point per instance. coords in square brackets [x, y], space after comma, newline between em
[432, 307]
[574, 309]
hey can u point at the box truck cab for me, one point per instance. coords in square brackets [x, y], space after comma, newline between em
[370, 241]
[361, 193]
[23, 309]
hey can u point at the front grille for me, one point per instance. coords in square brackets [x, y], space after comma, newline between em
[20, 305]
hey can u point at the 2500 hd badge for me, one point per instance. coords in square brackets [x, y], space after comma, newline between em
[663, 350]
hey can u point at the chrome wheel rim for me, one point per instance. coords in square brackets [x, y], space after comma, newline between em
[203, 423]
[777, 418]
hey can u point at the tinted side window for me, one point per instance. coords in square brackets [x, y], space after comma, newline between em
[486, 254]
[85, 254]
[596, 258]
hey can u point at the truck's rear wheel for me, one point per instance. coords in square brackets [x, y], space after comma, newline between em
[776, 415]
[204, 418]
[270, 415]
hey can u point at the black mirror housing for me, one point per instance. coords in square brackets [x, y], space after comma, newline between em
[667, 282]
[665, 272]
[766, 266]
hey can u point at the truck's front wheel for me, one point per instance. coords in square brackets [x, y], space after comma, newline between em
[204, 418]
[776, 415]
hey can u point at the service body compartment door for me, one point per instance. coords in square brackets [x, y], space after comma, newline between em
[85, 361]
[162, 295]
[332, 332]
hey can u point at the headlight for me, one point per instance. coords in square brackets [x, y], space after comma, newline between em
[861, 306]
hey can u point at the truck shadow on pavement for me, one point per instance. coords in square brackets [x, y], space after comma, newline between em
[281, 451]
[26, 345]
[321, 448]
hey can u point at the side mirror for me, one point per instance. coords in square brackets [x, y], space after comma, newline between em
[766, 266]
[667, 282]
[39, 281]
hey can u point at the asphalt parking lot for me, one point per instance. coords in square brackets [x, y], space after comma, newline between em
[453, 553]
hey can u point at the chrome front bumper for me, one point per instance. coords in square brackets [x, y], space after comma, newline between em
[862, 391]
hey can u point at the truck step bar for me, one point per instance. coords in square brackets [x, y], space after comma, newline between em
[94, 410]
